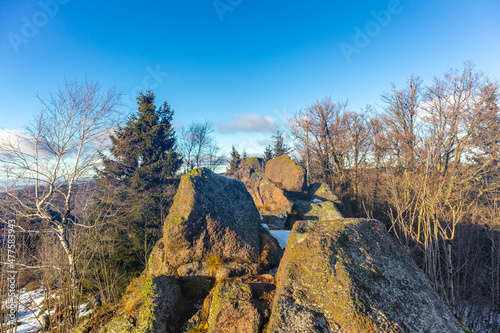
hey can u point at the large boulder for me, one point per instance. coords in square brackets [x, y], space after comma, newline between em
[277, 219]
[266, 195]
[350, 276]
[248, 166]
[232, 311]
[322, 192]
[286, 173]
[211, 216]
[317, 211]
[162, 306]
[272, 197]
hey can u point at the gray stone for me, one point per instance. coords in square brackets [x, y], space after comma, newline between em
[232, 311]
[278, 218]
[350, 275]
[211, 215]
[166, 305]
[323, 192]
[286, 173]
[317, 211]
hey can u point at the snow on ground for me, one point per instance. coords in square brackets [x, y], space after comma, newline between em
[29, 318]
[83, 310]
[29, 307]
[316, 200]
[281, 236]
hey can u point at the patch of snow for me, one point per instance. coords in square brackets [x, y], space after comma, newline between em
[30, 303]
[83, 311]
[265, 226]
[282, 236]
[316, 200]
[29, 318]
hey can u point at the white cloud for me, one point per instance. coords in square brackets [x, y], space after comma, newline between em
[18, 140]
[250, 122]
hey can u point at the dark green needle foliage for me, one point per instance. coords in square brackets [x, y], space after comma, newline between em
[138, 179]
[268, 153]
[235, 160]
[280, 148]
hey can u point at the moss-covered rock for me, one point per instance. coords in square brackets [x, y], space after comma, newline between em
[271, 198]
[119, 324]
[232, 311]
[162, 305]
[317, 211]
[323, 192]
[286, 173]
[211, 215]
[255, 163]
[248, 167]
[156, 263]
[349, 275]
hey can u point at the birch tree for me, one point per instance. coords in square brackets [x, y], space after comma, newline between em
[43, 167]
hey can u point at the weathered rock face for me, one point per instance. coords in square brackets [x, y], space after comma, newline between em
[156, 263]
[318, 211]
[166, 305]
[283, 171]
[272, 197]
[278, 218]
[232, 311]
[211, 215]
[323, 192]
[350, 276]
[249, 166]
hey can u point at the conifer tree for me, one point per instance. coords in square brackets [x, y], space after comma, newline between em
[235, 160]
[280, 148]
[268, 154]
[139, 172]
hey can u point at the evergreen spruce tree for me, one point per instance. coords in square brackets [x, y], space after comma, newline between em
[138, 176]
[268, 154]
[235, 160]
[280, 148]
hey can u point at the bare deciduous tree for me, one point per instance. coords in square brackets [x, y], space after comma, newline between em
[199, 147]
[43, 167]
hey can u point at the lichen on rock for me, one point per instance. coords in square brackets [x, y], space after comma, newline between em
[211, 214]
[350, 276]
[285, 172]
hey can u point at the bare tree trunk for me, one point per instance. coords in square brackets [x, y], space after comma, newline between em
[61, 235]
[449, 276]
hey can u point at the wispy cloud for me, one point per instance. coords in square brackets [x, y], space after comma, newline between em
[250, 122]
[18, 140]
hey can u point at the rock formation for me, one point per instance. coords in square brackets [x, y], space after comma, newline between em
[281, 195]
[322, 192]
[350, 276]
[286, 173]
[211, 215]
[208, 273]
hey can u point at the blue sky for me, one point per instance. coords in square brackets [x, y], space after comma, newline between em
[244, 65]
